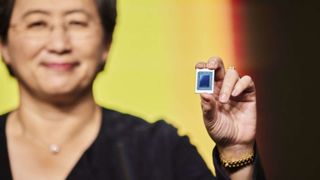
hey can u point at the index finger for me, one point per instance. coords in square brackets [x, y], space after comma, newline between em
[216, 63]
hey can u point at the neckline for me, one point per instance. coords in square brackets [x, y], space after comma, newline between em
[4, 156]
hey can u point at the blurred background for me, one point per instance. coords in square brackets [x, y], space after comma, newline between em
[150, 71]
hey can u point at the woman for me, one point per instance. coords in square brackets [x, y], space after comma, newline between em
[55, 50]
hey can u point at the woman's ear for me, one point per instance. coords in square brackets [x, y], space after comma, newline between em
[105, 51]
[4, 53]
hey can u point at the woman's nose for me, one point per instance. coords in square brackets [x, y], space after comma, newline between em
[59, 41]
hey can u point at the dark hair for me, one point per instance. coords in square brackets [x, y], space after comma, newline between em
[107, 10]
[108, 14]
[6, 8]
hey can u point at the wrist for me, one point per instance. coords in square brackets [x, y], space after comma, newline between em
[235, 152]
[236, 157]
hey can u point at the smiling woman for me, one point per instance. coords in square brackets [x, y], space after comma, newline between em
[55, 49]
[62, 47]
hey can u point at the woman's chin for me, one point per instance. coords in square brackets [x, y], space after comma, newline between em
[59, 85]
[62, 87]
[62, 90]
[62, 96]
[58, 91]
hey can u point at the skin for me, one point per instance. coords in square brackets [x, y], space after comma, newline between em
[55, 77]
[230, 114]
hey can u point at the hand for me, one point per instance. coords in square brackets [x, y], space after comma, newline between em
[230, 113]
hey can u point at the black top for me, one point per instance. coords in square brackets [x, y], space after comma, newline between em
[129, 148]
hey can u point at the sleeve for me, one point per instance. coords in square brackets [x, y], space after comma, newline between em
[189, 165]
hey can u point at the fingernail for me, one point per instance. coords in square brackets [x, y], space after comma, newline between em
[210, 66]
[234, 92]
[223, 98]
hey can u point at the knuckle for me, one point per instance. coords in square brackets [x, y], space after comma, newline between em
[226, 87]
[215, 59]
[232, 74]
[200, 65]
[247, 78]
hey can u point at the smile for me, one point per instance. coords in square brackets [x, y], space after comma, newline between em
[60, 66]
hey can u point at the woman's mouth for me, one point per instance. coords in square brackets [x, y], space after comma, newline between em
[65, 66]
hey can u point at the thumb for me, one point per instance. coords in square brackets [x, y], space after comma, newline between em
[208, 105]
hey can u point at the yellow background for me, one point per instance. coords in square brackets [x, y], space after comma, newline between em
[150, 70]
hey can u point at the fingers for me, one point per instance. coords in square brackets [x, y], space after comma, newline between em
[214, 63]
[207, 105]
[244, 84]
[229, 82]
[201, 65]
[230, 79]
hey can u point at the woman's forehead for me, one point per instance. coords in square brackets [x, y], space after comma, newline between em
[23, 7]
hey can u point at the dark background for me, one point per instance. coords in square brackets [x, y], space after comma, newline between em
[283, 51]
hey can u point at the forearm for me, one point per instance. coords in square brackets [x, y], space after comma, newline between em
[235, 153]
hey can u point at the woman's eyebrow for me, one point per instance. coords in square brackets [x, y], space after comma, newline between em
[43, 12]
[35, 12]
[77, 11]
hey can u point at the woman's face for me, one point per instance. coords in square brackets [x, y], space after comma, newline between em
[55, 47]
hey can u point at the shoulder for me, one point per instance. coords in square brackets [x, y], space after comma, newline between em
[122, 124]
[3, 116]
[3, 119]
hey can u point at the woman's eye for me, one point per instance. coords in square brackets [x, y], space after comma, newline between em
[37, 24]
[78, 23]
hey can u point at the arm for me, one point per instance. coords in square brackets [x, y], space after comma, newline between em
[188, 164]
[223, 174]
[230, 116]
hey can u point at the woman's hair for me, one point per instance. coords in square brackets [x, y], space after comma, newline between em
[106, 8]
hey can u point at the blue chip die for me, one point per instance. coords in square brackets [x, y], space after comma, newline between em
[204, 81]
